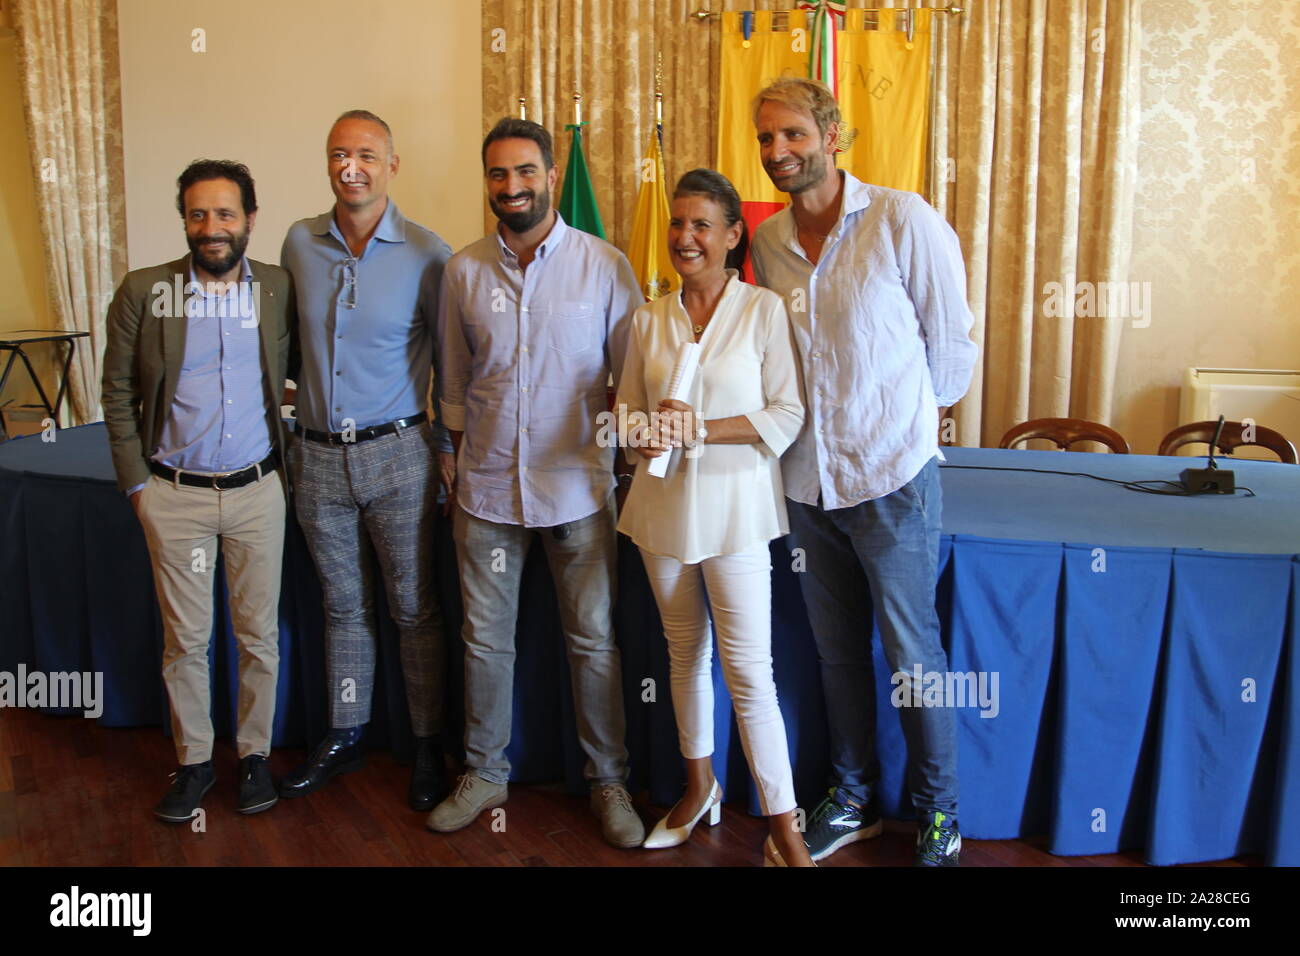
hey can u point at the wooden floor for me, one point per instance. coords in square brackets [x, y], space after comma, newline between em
[73, 793]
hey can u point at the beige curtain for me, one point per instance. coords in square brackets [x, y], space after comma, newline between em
[1034, 149]
[68, 70]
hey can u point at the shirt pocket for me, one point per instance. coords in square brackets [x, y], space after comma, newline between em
[571, 328]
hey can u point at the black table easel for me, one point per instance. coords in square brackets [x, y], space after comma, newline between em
[13, 343]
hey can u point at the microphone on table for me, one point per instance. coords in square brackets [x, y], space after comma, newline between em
[1211, 480]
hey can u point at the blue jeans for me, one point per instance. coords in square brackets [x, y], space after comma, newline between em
[882, 554]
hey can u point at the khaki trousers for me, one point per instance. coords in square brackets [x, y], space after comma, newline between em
[182, 525]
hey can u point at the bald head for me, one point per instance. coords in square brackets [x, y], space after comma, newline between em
[369, 117]
[361, 160]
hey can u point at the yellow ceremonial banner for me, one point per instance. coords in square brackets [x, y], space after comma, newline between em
[647, 247]
[747, 67]
[885, 96]
[884, 83]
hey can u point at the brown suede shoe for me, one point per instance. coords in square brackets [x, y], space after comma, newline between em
[471, 797]
[618, 820]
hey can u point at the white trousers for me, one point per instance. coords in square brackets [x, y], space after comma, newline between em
[739, 589]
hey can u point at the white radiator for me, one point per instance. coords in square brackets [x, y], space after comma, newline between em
[1270, 397]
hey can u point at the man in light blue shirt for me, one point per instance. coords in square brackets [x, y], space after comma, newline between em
[876, 289]
[366, 460]
[534, 319]
[215, 426]
[194, 372]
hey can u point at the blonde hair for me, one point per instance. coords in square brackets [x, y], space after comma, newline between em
[807, 96]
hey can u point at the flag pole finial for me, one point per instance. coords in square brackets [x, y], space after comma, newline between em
[659, 89]
[523, 108]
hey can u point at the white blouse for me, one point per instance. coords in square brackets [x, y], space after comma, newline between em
[715, 499]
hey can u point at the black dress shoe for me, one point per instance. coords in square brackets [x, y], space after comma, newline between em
[256, 788]
[340, 752]
[427, 783]
[182, 801]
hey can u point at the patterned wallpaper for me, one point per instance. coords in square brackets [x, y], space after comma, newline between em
[1217, 224]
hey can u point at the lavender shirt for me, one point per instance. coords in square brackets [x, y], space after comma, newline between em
[525, 358]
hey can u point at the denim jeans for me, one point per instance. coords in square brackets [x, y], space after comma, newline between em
[881, 554]
[491, 558]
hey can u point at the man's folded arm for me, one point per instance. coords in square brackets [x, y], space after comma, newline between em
[930, 259]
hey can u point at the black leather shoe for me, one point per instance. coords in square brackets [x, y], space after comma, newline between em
[256, 788]
[182, 801]
[427, 783]
[340, 752]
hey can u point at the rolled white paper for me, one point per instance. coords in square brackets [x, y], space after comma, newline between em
[679, 386]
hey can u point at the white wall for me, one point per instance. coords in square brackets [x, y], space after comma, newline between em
[273, 78]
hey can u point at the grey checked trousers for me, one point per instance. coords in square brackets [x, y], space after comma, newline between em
[380, 497]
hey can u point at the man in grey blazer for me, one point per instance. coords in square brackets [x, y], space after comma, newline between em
[194, 370]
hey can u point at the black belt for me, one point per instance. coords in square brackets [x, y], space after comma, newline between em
[235, 479]
[361, 434]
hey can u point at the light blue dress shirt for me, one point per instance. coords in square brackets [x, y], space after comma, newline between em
[526, 356]
[883, 331]
[217, 421]
[366, 324]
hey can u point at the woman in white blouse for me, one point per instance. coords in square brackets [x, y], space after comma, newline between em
[704, 528]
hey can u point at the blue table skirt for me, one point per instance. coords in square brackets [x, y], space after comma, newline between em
[1147, 696]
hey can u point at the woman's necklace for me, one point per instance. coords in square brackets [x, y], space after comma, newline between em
[699, 327]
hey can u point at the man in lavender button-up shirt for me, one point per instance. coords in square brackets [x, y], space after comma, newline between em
[532, 322]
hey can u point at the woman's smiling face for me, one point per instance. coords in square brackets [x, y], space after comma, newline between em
[699, 237]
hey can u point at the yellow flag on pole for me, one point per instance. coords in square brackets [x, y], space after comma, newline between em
[648, 245]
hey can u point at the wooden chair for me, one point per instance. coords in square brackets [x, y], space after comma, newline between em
[1232, 437]
[1065, 432]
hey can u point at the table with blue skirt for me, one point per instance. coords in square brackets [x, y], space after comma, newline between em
[1144, 647]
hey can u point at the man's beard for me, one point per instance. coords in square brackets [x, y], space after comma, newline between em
[238, 242]
[523, 220]
[807, 177]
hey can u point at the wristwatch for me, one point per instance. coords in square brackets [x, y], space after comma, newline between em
[701, 433]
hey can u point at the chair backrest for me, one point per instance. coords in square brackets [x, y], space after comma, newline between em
[1065, 432]
[1233, 436]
